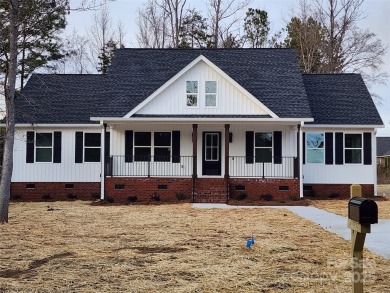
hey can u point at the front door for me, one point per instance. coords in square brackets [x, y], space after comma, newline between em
[211, 162]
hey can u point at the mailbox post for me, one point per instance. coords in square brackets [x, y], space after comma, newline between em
[362, 212]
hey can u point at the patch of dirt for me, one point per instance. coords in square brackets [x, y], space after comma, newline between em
[146, 250]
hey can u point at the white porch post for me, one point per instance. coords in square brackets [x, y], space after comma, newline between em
[301, 154]
[374, 165]
[102, 161]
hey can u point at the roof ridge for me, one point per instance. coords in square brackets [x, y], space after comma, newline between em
[203, 49]
[344, 73]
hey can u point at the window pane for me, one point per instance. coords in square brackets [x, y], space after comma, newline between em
[353, 140]
[44, 139]
[315, 140]
[162, 138]
[315, 156]
[192, 100]
[263, 139]
[211, 100]
[162, 154]
[142, 154]
[263, 155]
[353, 156]
[43, 154]
[92, 140]
[142, 138]
[208, 154]
[211, 87]
[192, 87]
[92, 155]
[214, 154]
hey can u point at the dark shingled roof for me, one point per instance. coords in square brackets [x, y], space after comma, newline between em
[382, 146]
[340, 99]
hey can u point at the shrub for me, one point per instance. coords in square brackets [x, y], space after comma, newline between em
[109, 199]
[95, 195]
[15, 196]
[266, 197]
[47, 197]
[155, 197]
[241, 196]
[334, 195]
[181, 196]
[293, 197]
[310, 193]
[71, 196]
[132, 198]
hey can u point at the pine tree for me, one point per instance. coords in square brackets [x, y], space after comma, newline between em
[106, 55]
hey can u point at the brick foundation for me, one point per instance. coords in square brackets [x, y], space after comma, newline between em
[40, 191]
[280, 189]
[144, 188]
[342, 191]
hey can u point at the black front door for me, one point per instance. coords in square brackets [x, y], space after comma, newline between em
[211, 150]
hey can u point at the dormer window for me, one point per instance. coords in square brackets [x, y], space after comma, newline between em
[192, 93]
[211, 93]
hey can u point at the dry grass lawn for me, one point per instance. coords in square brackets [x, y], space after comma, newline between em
[76, 247]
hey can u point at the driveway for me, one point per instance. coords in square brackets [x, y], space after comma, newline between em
[378, 241]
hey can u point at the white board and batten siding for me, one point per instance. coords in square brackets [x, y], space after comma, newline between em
[230, 100]
[321, 173]
[66, 171]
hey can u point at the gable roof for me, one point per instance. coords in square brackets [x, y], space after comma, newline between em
[382, 146]
[340, 99]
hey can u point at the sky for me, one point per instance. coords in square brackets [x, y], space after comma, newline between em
[376, 17]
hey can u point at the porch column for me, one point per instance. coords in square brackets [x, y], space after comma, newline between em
[227, 127]
[300, 150]
[194, 150]
[102, 159]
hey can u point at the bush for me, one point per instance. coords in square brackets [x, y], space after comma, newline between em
[310, 193]
[71, 196]
[132, 198]
[95, 195]
[241, 196]
[47, 197]
[293, 197]
[266, 197]
[334, 195]
[155, 197]
[181, 196]
[15, 196]
[109, 199]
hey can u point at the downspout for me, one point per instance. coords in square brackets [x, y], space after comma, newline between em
[300, 159]
[102, 159]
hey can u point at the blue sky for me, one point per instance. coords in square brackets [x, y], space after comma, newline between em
[377, 13]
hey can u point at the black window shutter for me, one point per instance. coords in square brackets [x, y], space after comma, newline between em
[367, 150]
[107, 145]
[57, 147]
[175, 146]
[30, 147]
[339, 147]
[249, 147]
[128, 146]
[329, 148]
[79, 147]
[277, 147]
[304, 147]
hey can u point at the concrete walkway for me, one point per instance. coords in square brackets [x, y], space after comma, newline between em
[378, 241]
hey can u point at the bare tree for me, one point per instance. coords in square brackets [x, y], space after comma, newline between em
[174, 11]
[121, 34]
[223, 15]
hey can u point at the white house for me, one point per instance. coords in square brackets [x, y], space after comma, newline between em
[205, 123]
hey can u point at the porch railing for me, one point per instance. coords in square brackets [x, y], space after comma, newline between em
[279, 167]
[149, 166]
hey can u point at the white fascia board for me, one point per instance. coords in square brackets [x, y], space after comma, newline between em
[184, 70]
[192, 120]
[24, 125]
[342, 126]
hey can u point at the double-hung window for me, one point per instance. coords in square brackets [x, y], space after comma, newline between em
[142, 146]
[353, 148]
[92, 144]
[315, 147]
[192, 93]
[162, 146]
[263, 147]
[44, 147]
[211, 93]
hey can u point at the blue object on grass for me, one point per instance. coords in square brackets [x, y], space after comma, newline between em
[249, 243]
[253, 240]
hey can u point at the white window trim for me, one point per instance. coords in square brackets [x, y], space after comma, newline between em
[52, 147]
[216, 94]
[88, 147]
[361, 149]
[197, 95]
[271, 147]
[152, 146]
[307, 148]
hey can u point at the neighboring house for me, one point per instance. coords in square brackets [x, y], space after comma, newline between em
[383, 151]
[206, 123]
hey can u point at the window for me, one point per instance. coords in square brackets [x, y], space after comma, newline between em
[211, 93]
[44, 147]
[142, 146]
[353, 148]
[212, 146]
[92, 147]
[263, 147]
[315, 147]
[192, 93]
[162, 146]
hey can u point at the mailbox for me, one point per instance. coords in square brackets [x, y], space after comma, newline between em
[363, 210]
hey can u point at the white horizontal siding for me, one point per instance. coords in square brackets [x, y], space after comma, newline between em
[66, 171]
[230, 100]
